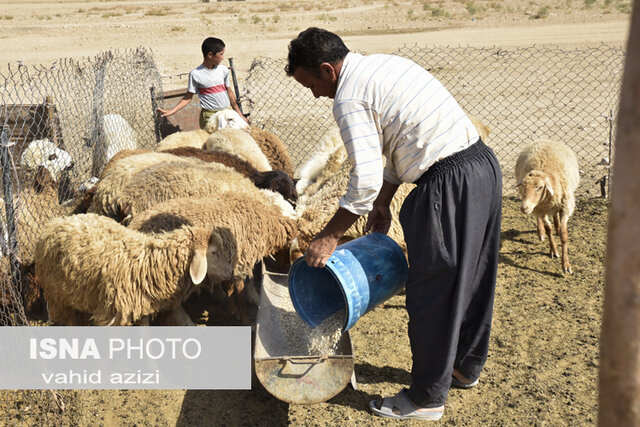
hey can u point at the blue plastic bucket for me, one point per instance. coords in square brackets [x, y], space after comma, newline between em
[360, 275]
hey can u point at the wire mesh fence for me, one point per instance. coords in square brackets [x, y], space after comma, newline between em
[522, 94]
[58, 124]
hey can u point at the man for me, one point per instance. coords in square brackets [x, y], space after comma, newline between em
[212, 81]
[388, 106]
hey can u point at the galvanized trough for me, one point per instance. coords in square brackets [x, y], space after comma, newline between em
[282, 368]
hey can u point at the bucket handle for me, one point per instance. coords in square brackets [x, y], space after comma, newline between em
[290, 362]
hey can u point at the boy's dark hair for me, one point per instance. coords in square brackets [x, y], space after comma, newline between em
[213, 45]
[311, 48]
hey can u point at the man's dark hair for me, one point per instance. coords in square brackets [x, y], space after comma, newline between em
[213, 45]
[312, 47]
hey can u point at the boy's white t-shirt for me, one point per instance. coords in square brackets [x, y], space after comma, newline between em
[211, 86]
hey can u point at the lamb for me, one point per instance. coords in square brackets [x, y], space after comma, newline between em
[240, 143]
[91, 264]
[547, 177]
[115, 135]
[256, 229]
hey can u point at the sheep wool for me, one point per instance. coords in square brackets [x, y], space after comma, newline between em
[94, 265]
[42, 152]
[175, 179]
[273, 148]
[115, 135]
[240, 143]
[547, 177]
[191, 138]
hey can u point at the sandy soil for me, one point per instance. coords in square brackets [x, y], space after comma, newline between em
[543, 361]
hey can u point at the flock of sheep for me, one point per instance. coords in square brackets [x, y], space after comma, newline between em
[153, 227]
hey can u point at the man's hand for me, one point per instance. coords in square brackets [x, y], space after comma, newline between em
[164, 113]
[320, 251]
[378, 220]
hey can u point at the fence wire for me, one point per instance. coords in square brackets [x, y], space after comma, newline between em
[54, 130]
[522, 94]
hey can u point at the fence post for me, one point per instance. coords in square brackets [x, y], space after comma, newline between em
[610, 169]
[7, 187]
[156, 120]
[235, 84]
[619, 380]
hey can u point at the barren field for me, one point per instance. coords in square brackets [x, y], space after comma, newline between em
[543, 361]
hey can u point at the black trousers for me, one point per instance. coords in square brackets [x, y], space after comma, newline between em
[451, 224]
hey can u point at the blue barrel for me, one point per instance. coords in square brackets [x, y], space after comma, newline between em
[360, 275]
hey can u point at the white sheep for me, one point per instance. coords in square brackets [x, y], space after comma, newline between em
[547, 176]
[319, 201]
[42, 152]
[249, 225]
[223, 119]
[115, 135]
[240, 143]
[91, 264]
[318, 159]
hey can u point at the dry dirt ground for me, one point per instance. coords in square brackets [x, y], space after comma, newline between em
[543, 360]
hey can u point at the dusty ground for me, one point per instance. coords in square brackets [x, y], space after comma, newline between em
[543, 360]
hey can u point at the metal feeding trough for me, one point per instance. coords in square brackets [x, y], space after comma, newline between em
[283, 361]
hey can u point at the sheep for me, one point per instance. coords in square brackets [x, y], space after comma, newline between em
[273, 148]
[483, 130]
[42, 152]
[115, 135]
[270, 144]
[319, 201]
[318, 160]
[196, 138]
[172, 180]
[257, 229]
[275, 180]
[117, 174]
[547, 177]
[227, 118]
[192, 138]
[240, 143]
[91, 264]
[120, 171]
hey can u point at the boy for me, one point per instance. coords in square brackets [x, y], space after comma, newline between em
[211, 80]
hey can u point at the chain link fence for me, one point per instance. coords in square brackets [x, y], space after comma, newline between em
[56, 124]
[522, 94]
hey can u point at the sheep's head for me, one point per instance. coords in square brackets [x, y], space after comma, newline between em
[42, 152]
[220, 258]
[225, 119]
[279, 182]
[534, 188]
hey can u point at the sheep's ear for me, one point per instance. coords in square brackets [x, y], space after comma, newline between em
[547, 184]
[198, 266]
[519, 183]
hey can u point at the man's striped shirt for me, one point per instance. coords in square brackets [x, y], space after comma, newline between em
[389, 106]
